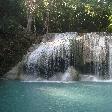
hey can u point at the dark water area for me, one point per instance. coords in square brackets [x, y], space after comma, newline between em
[16, 96]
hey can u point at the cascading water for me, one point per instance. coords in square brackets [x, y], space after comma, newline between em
[69, 56]
[110, 61]
[97, 54]
[52, 56]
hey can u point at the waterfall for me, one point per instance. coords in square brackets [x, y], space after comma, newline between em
[98, 54]
[51, 56]
[95, 51]
[58, 46]
[110, 61]
[70, 49]
[65, 54]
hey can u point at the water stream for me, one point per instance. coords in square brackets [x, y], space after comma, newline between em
[110, 61]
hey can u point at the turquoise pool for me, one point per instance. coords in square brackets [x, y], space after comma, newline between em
[16, 96]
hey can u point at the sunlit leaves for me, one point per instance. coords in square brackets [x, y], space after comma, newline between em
[30, 5]
[72, 15]
[110, 25]
[64, 15]
[46, 2]
[89, 9]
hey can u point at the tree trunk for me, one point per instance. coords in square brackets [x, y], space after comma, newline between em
[29, 22]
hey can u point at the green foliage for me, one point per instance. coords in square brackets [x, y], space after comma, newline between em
[63, 15]
[110, 25]
[11, 16]
[75, 15]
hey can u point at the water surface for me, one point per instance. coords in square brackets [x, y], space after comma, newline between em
[16, 96]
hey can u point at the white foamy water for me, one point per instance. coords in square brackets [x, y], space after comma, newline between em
[47, 48]
[110, 61]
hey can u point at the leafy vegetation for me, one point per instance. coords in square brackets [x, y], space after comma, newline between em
[72, 15]
[18, 18]
[56, 15]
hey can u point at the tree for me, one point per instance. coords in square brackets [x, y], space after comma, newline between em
[30, 9]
